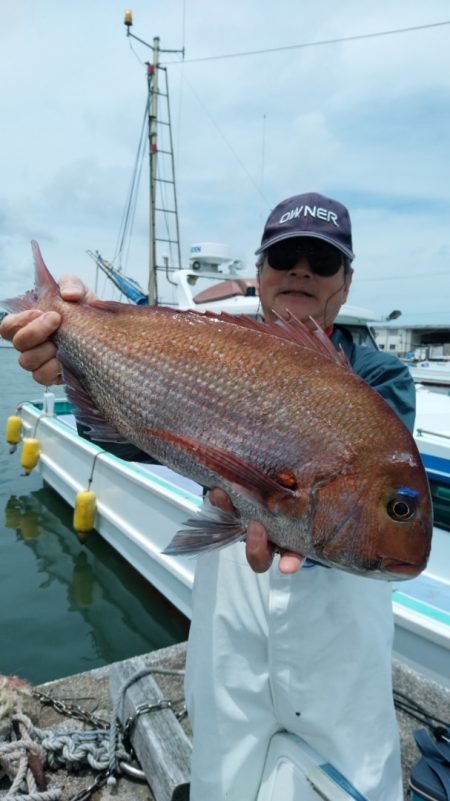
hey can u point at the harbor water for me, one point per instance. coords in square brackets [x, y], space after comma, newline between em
[65, 607]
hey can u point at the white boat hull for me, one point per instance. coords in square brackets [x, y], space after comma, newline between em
[429, 373]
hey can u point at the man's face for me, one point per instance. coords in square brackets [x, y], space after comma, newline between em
[302, 292]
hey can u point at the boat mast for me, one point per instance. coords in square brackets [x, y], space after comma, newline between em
[152, 74]
[154, 178]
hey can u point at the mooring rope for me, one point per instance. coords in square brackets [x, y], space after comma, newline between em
[70, 750]
[23, 759]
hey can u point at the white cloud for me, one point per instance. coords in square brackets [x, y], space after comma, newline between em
[366, 121]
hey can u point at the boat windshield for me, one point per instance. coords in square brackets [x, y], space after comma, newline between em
[361, 335]
[440, 493]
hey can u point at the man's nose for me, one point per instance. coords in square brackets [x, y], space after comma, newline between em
[301, 267]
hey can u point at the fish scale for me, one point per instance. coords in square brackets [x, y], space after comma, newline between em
[268, 412]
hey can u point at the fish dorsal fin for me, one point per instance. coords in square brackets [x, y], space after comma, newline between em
[315, 339]
[291, 330]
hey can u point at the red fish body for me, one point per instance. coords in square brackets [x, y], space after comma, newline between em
[267, 412]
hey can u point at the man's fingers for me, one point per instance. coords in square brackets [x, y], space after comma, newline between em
[257, 547]
[12, 323]
[37, 331]
[49, 373]
[33, 358]
[218, 497]
[290, 562]
[72, 289]
[43, 364]
[259, 550]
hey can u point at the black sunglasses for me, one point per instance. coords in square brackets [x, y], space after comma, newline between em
[323, 259]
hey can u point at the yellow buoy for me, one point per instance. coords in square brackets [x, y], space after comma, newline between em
[31, 452]
[84, 511]
[13, 429]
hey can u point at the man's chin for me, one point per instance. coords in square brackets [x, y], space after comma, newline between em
[300, 306]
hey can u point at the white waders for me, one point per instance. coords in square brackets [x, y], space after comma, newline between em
[309, 654]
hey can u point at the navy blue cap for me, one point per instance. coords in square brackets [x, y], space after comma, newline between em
[310, 215]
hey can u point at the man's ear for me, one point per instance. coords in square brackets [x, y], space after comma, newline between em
[347, 284]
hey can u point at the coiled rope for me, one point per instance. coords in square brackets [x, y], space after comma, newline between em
[70, 750]
[23, 759]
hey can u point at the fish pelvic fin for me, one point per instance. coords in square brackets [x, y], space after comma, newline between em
[212, 528]
[247, 479]
[44, 284]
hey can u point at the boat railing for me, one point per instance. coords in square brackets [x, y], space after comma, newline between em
[421, 431]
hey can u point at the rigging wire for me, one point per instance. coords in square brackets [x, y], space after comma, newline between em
[132, 198]
[133, 191]
[181, 90]
[135, 53]
[228, 144]
[133, 208]
[319, 43]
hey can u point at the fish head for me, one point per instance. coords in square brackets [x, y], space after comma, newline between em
[377, 524]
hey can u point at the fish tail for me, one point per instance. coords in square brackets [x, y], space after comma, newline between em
[45, 284]
[43, 278]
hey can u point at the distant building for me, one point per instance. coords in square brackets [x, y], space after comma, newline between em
[419, 336]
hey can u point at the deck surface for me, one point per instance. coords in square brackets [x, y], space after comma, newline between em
[90, 690]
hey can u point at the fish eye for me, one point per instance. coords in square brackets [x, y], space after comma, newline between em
[401, 508]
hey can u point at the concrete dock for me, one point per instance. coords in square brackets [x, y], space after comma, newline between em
[90, 691]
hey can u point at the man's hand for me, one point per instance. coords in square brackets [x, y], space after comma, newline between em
[259, 550]
[30, 333]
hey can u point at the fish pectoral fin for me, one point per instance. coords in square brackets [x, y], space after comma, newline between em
[211, 528]
[87, 412]
[243, 476]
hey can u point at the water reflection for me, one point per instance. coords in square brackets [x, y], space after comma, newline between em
[83, 579]
[103, 608]
[21, 518]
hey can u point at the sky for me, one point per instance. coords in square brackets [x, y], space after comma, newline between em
[366, 121]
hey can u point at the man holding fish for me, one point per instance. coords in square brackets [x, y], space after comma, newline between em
[293, 645]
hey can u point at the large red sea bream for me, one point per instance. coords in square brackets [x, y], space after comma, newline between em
[269, 412]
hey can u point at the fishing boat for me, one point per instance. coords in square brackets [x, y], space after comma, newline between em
[140, 507]
[431, 373]
[422, 605]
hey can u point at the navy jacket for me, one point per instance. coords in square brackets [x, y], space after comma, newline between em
[384, 372]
